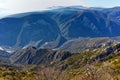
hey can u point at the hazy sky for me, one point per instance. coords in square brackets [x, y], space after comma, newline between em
[18, 6]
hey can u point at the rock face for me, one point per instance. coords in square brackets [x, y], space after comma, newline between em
[37, 28]
[31, 55]
[109, 52]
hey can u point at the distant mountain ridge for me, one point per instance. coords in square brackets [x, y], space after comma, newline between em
[38, 28]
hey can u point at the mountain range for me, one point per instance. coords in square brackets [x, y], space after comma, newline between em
[62, 43]
[58, 26]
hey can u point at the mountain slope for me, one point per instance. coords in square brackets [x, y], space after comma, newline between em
[37, 28]
[97, 64]
[4, 56]
[32, 55]
[82, 44]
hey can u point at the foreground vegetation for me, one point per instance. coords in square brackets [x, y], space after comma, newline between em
[98, 64]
